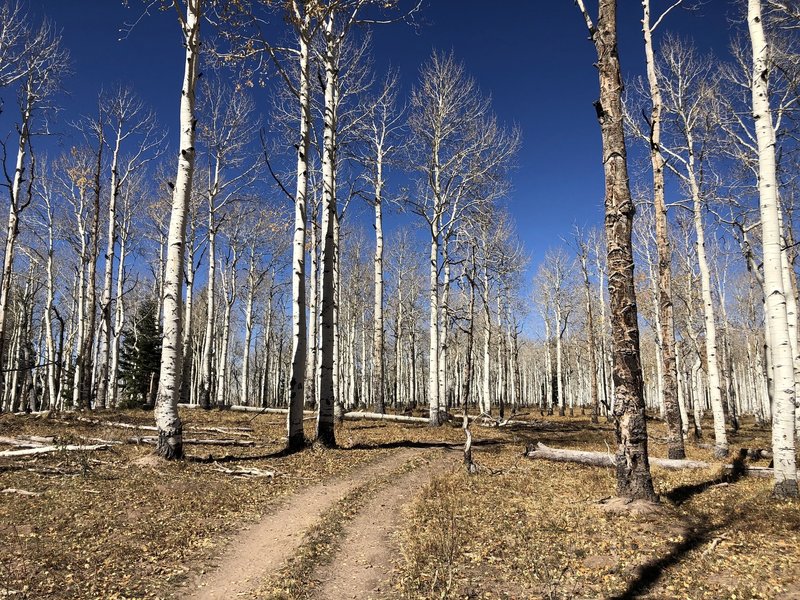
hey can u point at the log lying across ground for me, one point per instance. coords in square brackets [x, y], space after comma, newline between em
[47, 449]
[371, 416]
[254, 409]
[225, 430]
[349, 416]
[208, 442]
[604, 459]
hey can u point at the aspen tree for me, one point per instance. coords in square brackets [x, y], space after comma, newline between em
[583, 260]
[227, 129]
[633, 468]
[35, 60]
[170, 428]
[783, 421]
[458, 147]
[381, 127]
[127, 118]
[690, 99]
[666, 318]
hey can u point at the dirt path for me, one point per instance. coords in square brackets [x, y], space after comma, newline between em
[363, 562]
[263, 548]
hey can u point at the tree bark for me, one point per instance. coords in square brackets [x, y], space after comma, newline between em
[783, 425]
[672, 412]
[327, 383]
[632, 466]
[170, 428]
[377, 323]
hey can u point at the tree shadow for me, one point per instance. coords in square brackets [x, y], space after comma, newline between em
[227, 458]
[648, 574]
[682, 493]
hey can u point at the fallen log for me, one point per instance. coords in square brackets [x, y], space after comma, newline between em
[245, 472]
[20, 492]
[203, 442]
[255, 409]
[604, 459]
[370, 416]
[243, 431]
[21, 443]
[47, 449]
[268, 411]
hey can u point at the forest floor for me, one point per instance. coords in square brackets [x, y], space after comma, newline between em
[389, 514]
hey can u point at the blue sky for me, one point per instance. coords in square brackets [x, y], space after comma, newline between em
[532, 56]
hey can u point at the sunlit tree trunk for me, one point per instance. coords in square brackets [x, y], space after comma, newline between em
[377, 318]
[633, 468]
[105, 301]
[229, 294]
[208, 338]
[328, 362]
[666, 317]
[783, 421]
[297, 376]
[170, 428]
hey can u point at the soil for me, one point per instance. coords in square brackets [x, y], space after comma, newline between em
[259, 551]
[390, 513]
[368, 548]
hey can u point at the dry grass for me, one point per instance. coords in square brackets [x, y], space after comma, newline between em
[533, 529]
[119, 527]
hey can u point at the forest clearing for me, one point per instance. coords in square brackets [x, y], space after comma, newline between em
[381, 315]
[117, 524]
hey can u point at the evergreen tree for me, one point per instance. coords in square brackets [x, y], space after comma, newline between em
[140, 355]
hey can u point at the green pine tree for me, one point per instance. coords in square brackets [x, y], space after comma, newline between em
[140, 355]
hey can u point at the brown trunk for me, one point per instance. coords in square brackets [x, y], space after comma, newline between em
[633, 468]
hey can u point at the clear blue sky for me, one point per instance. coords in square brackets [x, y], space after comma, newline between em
[532, 56]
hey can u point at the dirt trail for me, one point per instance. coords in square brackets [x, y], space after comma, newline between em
[363, 562]
[263, 548]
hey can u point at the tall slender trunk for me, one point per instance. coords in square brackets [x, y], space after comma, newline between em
[170, 428]
[433, 329]
[188, 310]
[297, 377]
[590, 326]
[229, 291]
[784, 407]
[244, 399]
[633, 468]
[105, 301]
[313, 313]
[208, 338]
[712, 369]
[560, 362]
[87, 344]
[119, 315]
[675, 448]
[444, 331]
[377, 314]
[14, 207]
[329, 363]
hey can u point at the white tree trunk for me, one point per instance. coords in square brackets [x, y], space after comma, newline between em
[433, 357]
[294, 418]
[328, 363]
[244, 399]
[170, 428]
[105, 301]
[714, 381]
[783, 423]
[208, 338]
[377, 310]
